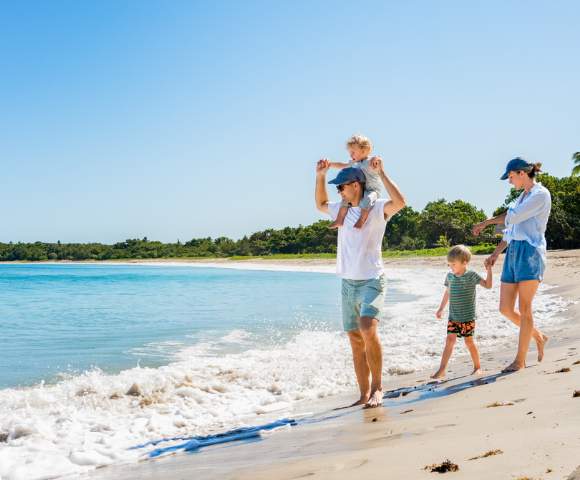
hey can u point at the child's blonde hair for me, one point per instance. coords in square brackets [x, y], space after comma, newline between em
[459, 252]
[362, 142]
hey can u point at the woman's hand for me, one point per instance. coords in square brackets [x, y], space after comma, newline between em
[478, 227]
[490, 261]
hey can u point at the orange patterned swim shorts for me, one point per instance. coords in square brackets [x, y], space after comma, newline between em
[461, 329]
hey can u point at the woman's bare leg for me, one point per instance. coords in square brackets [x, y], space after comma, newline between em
[507, 301]
[526, 292]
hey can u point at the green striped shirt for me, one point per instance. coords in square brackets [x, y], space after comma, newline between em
[462, 295]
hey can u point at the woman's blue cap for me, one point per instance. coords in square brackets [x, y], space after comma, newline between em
[515, 165]
[349, 175]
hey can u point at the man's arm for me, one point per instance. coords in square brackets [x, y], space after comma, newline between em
[397, 201]
[320, 194]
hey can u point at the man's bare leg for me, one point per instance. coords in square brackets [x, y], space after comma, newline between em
[364, 214]
[339, 218]
[361, 366]
[447, 351]
[472, 347]
[507, 301]
[526, 291]
[374, 352]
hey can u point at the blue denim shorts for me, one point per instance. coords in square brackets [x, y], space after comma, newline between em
[362, 298]
[522, 262]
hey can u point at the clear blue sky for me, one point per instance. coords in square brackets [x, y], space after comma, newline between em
[182, 119]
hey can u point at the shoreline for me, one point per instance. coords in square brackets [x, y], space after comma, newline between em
[534, 429]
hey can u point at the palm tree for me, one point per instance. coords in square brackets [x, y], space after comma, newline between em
[576, 160]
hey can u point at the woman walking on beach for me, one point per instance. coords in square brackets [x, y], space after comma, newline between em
[525, 260]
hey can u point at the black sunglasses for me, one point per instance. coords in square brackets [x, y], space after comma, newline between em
[340, 188]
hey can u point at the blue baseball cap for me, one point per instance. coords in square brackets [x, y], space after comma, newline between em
[515, 165]
[349, 175]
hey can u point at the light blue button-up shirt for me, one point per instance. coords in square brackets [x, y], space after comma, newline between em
[527, 218]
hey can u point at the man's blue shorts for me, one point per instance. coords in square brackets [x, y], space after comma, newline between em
[362, 298]
[522, 262]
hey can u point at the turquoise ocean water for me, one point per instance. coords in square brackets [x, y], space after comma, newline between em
[59, 319]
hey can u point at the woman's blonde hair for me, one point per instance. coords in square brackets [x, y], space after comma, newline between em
[459, 252]
[364, 143]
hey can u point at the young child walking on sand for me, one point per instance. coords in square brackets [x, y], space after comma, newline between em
[359, 149]
[460, 293]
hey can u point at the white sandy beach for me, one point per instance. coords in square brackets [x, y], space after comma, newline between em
[534, 431]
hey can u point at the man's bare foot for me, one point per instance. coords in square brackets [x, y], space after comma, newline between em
[477, 371]
[514, 367]
[438, 374]
[541, 344]
[376, 399]
[335, 225]
[361, 401]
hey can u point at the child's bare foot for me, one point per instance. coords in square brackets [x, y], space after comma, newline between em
[335, 225]
[339, 218]
[540, 344]
[477, 371]
[359, 223]
[438, 374]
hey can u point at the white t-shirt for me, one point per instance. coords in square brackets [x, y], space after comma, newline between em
[359, 252]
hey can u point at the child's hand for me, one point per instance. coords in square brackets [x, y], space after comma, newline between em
[376, 163]
[439, 313]
[490, 261]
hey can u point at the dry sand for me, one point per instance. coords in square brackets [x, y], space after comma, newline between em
[535, 430]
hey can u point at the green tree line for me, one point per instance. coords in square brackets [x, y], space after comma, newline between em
[439, 224]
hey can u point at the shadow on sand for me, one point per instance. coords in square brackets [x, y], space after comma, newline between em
[391, 398]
